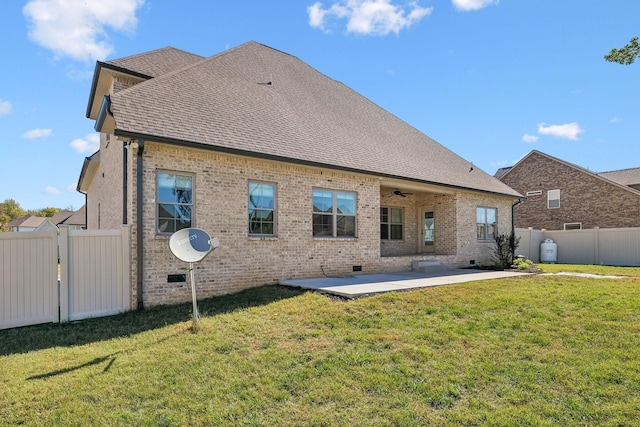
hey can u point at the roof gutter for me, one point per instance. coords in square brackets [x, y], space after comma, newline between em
[105, 110]
[217, 148]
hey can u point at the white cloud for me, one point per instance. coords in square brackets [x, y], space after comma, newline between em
[529, 138]
[376, 17]
[615, 120]
[567, 131]
[77, 28]
[467, 5]
[72, 187]
[37, 133]
[89, 144]
[52, 191]
[5, 107]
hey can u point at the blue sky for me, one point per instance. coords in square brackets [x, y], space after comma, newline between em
[491, 80]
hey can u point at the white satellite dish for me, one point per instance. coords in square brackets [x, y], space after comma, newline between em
[192, 245]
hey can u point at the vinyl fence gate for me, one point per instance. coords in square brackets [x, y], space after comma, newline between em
[51, 276]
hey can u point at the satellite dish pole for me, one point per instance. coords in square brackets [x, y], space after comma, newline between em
[192, 245]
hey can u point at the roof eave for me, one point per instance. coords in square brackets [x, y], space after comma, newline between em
[89, 169]
[235, 151]
[97, 77]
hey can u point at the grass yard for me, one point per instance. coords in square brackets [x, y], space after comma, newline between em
[538, 350]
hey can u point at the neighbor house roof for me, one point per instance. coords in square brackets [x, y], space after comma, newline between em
[600, 176]
[257, 101]
[78, 217]
[61, 216]
[27, 221]
[629, 177]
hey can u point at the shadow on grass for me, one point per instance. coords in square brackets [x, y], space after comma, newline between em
[30, 338]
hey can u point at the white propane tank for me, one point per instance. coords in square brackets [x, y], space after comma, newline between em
[548, 251]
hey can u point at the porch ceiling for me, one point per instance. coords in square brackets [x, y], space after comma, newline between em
[388, 185]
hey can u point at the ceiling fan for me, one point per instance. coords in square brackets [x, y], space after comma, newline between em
[401, 193]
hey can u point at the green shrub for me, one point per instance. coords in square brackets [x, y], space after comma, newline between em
[522, 263]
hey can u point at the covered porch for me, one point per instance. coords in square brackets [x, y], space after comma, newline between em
[417, 222]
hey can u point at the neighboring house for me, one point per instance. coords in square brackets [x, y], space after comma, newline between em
[77, 220]
[67, 218]
[563, 196]
[26, 223]
[294, 172]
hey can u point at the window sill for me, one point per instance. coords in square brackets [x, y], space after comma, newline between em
[335, 238]
[259, 238]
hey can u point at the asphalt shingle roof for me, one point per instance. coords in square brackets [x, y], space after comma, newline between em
[624, 176]
[157, 62]
[260, 101]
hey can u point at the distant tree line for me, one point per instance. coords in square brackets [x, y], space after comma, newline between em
[10, 210]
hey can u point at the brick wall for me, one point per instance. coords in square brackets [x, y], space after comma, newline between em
[104, 200]
[584, 198]
[220, 195]
[220, 199]
[220, 190]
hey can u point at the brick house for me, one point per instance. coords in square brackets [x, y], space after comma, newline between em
[296, 174]
[563, 196]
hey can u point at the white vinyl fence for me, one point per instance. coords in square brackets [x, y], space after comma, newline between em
[606, 246]
[28, 278]
[92, 279]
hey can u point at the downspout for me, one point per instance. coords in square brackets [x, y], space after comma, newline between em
[139, 223]
[125, 181]
[512, 241]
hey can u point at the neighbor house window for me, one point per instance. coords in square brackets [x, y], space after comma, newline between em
[391, 223]
[334, 213]
[262, 205]
[573, 226]
[553, 199]
[174, 201]
[487, 223]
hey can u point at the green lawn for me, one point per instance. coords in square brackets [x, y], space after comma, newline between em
[537, 350]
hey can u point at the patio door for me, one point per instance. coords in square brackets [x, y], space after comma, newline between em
[428, 231]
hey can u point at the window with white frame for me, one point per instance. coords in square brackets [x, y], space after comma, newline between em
[573, 226]
[334, 213]
[174, 207]
[486, 223]
[553, 199]
[391, 223]
[262, 209]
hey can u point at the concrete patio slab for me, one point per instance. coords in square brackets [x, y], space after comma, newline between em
[371, 284]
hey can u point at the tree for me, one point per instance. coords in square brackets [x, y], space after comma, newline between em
[625, 55]
[10, 210]
[45, 212]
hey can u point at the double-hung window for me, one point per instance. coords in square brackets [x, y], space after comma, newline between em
[334, 213]
[487, 223]
[391, 223]
[553, 199]
[262, 205]
[174, 208]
